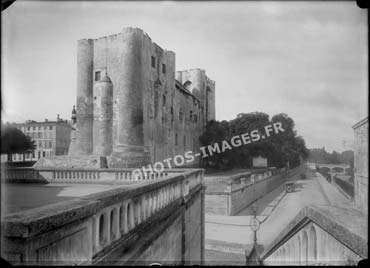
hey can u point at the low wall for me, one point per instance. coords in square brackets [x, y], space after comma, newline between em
[82, 175]
[158, 221]
[233, 194]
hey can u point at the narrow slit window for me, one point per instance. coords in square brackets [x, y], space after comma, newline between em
[153, 61]
[97, 76]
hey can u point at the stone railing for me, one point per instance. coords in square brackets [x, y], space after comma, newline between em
[111, 175]
[110, 223]
[109, 216]
[246, 179]
[236, 192]
[21, 174]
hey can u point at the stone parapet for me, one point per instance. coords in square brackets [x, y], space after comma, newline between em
[93, 228]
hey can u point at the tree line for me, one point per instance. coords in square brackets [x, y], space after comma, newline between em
[14, 141]
[321, 156]
[279, 149]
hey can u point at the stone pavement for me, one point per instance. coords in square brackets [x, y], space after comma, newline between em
[16, 197]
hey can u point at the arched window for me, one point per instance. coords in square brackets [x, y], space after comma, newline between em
[304, 248]
[113, 224]
[313, 245]
[121, 219]
[130, 224]
[298, 249]
[102, 229]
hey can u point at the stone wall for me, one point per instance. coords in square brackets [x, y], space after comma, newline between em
[152, 112]
[239, 194]
[361, 180]
[193, 232]
[243, 197]
[217, 204]
[163, 252]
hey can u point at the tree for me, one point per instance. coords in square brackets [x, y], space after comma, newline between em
[278, 149]
[215, 132]
[245, 123]
[321, 156]
[288, 147]
[14, 141]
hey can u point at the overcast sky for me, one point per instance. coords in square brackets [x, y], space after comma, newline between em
[306, 59]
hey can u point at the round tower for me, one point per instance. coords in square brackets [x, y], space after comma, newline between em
[84, 116]
[197, 78]
[103, 116]
[129, 95]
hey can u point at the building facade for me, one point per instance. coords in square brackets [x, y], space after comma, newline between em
[361, 164]
[132, 104]
[52, 138]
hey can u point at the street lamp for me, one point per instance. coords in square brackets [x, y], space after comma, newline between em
[253, 258]
[255, 223]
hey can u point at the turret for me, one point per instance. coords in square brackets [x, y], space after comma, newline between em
[103, 116]
[84, 116]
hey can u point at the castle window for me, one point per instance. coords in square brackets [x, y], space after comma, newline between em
[163, 68]
[172, 117]
[97, 76]
[191, 115]
[176, 139]
[195, 118]
[51, 127]
[153, 61]
[180, 115]
[164, 100]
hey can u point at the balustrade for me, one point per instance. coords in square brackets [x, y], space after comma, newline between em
[114, 221]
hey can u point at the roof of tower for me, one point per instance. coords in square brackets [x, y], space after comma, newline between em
[106, 78]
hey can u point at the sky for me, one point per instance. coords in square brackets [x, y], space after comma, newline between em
[306, 59]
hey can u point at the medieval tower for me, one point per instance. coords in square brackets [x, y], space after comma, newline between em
[132, 106]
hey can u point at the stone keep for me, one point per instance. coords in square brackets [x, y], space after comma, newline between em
[130, 107]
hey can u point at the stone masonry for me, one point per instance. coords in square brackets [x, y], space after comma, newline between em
[132, 106]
